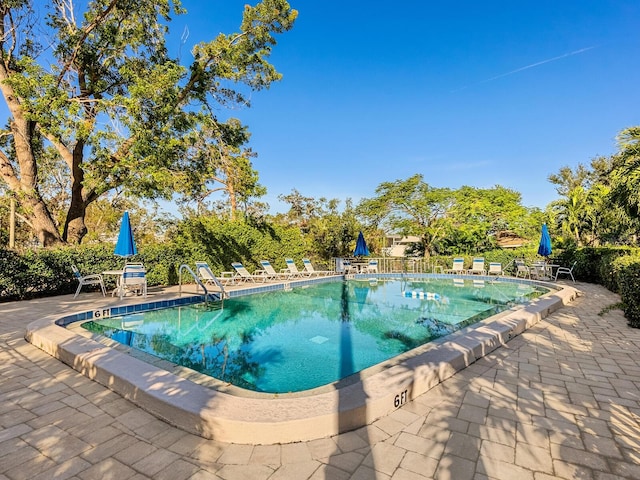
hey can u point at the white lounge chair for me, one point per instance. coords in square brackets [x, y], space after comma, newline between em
[308, 266]
[92, 279]
[245, 276]
[457, 267]
[495, 268]
[270, 272]
[206, 276]
[566, 271]
[293, 269]
[372, 266]
[477, 266]
[134, 279]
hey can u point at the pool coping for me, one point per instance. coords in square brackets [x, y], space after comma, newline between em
[285, 418]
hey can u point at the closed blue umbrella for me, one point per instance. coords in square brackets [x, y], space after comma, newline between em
[361, 247]
[126, 246]
[544, 248]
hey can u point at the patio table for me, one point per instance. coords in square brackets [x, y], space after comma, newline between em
[118, 274]
[543, 271]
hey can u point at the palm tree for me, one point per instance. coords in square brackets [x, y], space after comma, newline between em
[625, 172]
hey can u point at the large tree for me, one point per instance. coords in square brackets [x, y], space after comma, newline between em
[447, 221]
[410, 207]
[99, 91]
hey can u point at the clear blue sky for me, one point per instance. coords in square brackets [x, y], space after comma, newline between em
[465, 93]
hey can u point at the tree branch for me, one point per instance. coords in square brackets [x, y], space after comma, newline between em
[85, 33]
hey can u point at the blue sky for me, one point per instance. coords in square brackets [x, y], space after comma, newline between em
[465, 93]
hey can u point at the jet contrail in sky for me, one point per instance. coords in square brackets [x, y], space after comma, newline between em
[537, 64]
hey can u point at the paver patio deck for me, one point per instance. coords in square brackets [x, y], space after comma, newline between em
[561, 400]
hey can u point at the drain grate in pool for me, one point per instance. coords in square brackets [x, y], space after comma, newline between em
[319, 339]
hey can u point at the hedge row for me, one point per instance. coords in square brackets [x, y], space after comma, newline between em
[616, 268]
[48, 272]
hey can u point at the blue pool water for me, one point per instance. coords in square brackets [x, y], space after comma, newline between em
[288, 341]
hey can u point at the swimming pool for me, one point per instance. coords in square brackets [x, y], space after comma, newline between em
[214, 410]
[290, 341]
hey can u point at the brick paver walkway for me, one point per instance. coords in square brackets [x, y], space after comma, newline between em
[559, 401]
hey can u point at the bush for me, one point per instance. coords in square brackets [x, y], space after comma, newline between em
[45, 272]
[221, 242]
[627, 270]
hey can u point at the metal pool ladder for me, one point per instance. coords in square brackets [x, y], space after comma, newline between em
[222, 295]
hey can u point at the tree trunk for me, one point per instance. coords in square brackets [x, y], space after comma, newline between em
[43, 224]
[25, 186]
[74, 226]
[232, 200]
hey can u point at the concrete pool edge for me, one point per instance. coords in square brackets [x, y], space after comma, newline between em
[282, 419]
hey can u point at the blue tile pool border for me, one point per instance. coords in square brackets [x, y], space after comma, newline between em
[186, 300]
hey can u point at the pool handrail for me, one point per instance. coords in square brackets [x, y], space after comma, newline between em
[199, 282]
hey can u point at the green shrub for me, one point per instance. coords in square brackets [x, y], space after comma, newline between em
[46, 272]
[627, 270]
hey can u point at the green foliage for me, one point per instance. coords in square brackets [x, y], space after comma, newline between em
[43, 272]
[625, 172]
[616, 268]
[628, 273]
[596, 264]
[115, 111]
[591, 207]
[463, 221]
[327, 232]
[220, 243]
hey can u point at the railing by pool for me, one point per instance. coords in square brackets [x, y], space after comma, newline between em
[394, 264]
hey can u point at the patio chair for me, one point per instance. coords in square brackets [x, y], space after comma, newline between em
[566, 271]
[495, 268]
[348, 267]
[522, 268]
[457, 267]
[372, 267]
[244, 275]
[308, 266]
[270, 273]
[93, 279]
[292, 268]
[477, 266]
[134, 279]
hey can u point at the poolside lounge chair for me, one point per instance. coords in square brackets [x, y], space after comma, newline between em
[495, 268]
[206, 276]
[477, 266]
[245, 276]
[565, 271]
[308, 266]
[270, 272]
[457, 267]
[92, 279]
[134, 279]
[292, 268]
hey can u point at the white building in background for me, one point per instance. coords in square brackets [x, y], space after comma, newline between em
[397, 245]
